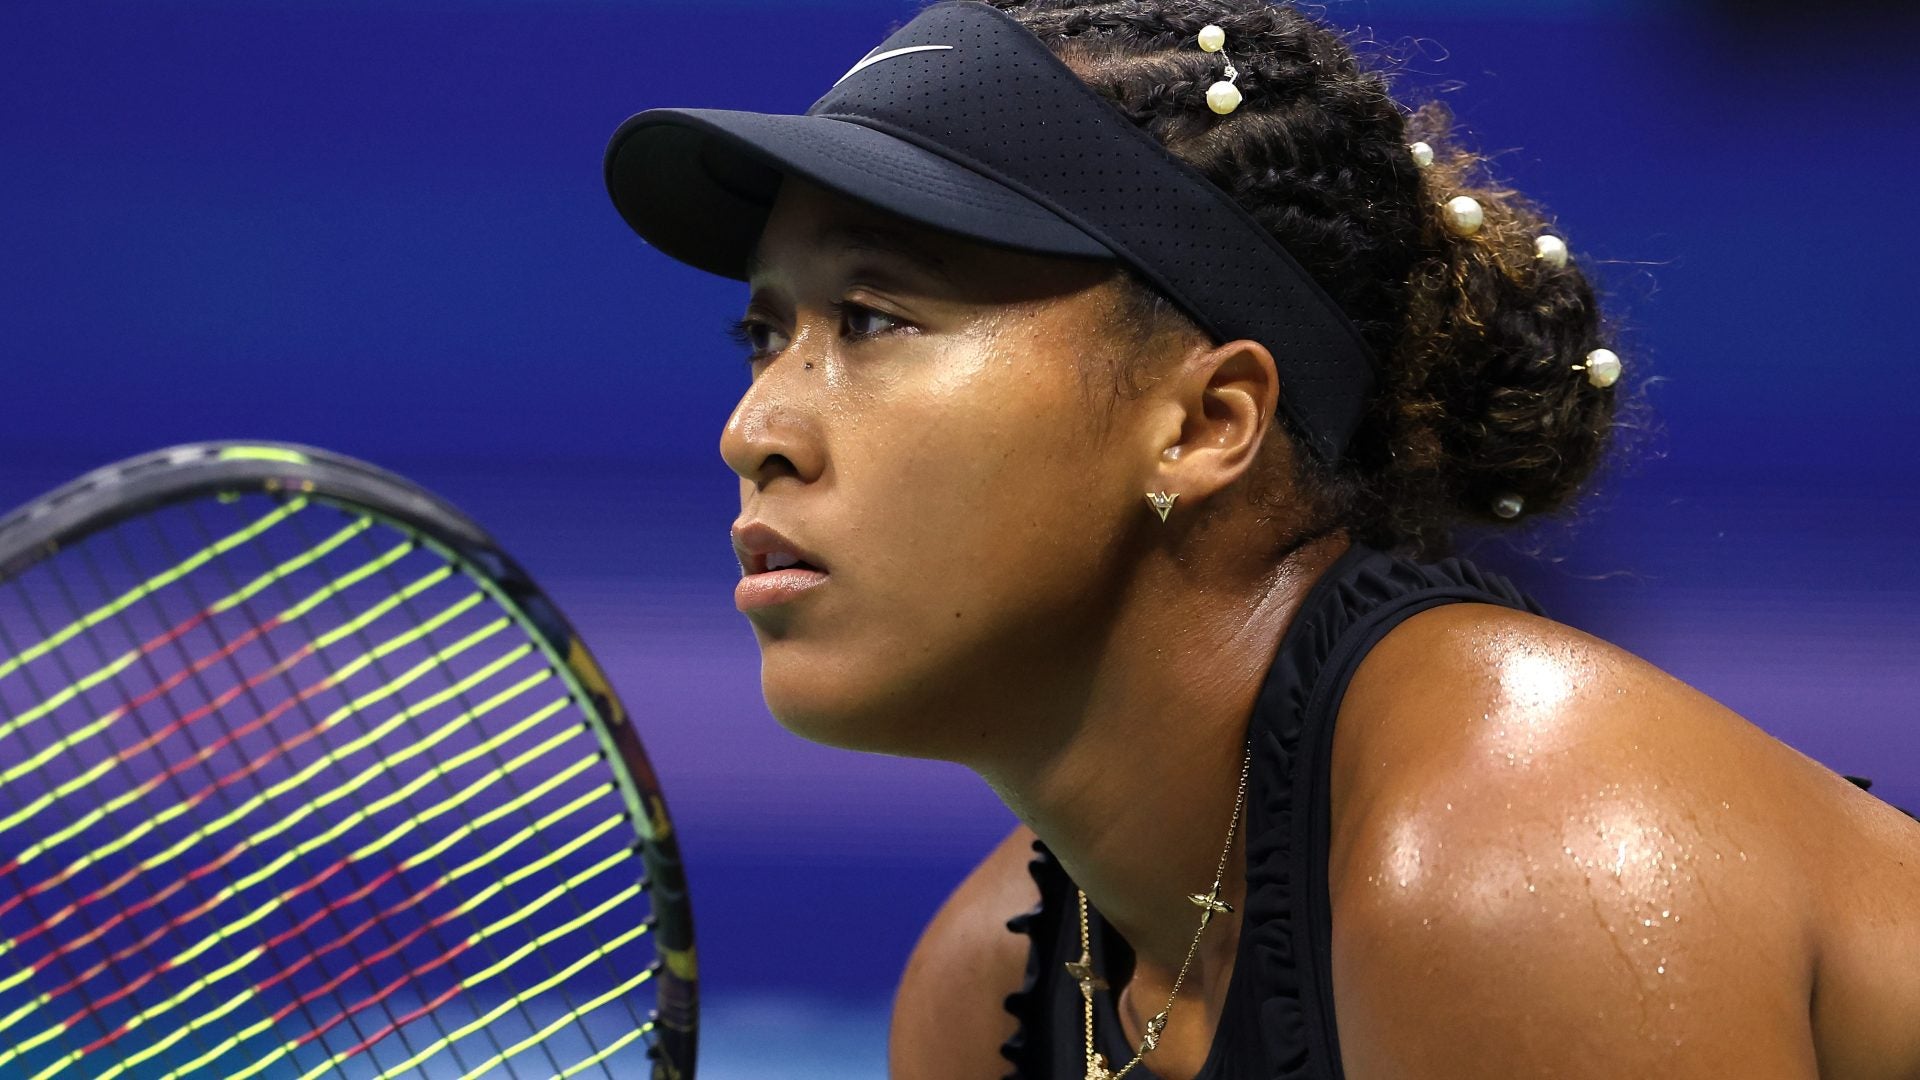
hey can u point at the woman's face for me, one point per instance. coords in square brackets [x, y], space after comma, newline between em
[939, 458]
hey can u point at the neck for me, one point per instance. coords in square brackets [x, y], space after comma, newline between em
[1134, 798]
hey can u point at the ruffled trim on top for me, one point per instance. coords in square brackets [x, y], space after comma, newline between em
[1028, 1004]
[1294, 1014]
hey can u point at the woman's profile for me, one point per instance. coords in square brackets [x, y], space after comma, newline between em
[1122, 376]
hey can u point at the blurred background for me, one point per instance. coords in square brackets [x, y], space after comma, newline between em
[380, 227]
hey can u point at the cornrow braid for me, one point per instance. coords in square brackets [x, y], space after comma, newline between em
[1477, 338]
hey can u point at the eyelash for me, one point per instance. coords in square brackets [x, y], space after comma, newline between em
[741, 332]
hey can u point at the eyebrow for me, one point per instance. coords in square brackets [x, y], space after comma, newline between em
[874, 240]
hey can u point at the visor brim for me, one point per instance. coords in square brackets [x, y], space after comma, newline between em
[698, 185]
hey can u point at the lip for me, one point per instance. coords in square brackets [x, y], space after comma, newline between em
[755, 540]
[774, 587]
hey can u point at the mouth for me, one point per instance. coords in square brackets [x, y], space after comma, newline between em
[778, 561]
[769, 588]
[763, 551]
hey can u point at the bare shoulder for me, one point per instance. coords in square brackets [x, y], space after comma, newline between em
[1551, 857]
[949, 1016]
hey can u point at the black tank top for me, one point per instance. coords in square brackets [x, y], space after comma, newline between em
[1277, 1023]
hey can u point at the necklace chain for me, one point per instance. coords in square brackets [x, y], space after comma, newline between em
[1209, 903]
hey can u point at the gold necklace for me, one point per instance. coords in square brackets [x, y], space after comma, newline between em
[1209, 903]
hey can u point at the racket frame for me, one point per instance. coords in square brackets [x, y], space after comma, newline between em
[115, 493]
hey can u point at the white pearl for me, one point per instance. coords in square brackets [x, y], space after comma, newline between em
[1551, 250]
[1463, 215]
[1223, 97]
[1212, 38]
[1422, 154]
[1508, 506]
[1603, 367]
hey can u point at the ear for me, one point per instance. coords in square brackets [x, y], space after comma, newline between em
[1211, 419]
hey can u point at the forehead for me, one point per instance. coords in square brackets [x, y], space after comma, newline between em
[808, 222]
[810, 226]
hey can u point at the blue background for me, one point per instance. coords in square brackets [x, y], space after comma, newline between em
[380, 228]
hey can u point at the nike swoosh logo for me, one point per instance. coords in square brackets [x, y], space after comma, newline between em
[888, 55]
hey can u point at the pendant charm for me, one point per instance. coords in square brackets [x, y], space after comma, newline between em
[1157, 1025]
[1211, 904]
[1097, 1068]
[1081, 971]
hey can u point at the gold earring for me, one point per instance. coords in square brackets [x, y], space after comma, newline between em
[1162, 502]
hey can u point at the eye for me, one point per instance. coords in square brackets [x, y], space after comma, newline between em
[750, 334]
[761, 339]
[855, 312]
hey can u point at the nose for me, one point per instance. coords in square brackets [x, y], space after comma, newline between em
[775, 428]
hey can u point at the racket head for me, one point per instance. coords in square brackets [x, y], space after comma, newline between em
[201, 643]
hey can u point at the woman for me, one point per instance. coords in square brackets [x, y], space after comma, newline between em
[1301, 795]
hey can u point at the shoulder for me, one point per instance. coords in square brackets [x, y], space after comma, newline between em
[949, 1015]
[1547, 851]
[1506, 698]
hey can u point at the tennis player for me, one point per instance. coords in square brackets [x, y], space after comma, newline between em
[1121, 375]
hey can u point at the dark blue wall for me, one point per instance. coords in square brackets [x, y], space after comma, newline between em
[380, 228]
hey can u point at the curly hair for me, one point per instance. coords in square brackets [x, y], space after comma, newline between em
[1477, 337]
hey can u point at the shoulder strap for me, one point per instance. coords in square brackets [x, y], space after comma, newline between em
[1355, 603]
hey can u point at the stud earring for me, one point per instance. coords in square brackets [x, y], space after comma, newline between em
[1162, 502]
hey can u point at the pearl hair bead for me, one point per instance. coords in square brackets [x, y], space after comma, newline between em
[1422, 154]
[1223, 97]
[1463, 215]
[1551, 250]
[1212, 38]
[1603, 368]
[1509, 506]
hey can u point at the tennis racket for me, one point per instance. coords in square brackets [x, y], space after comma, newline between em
[301, 776]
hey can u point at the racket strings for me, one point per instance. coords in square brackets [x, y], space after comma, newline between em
[41, 847]
[73, 979]
[146, 826]
[207, 906]
[462, 699]
[544, 837]
[592, 929]
[367, 793]
[220, 935]
[16, 660]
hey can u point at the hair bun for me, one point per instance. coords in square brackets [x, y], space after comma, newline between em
[1488, 397]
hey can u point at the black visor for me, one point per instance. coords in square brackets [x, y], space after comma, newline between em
[965, 122]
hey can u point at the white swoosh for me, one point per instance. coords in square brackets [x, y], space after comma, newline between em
[888, 55]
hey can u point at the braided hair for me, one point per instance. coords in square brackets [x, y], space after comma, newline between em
[1476, 337]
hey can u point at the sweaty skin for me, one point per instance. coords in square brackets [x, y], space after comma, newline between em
[1549, 858]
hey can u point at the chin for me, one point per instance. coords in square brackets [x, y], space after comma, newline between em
[808, 701]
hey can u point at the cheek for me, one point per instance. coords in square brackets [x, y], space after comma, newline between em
[967, 530]
[979, 504]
